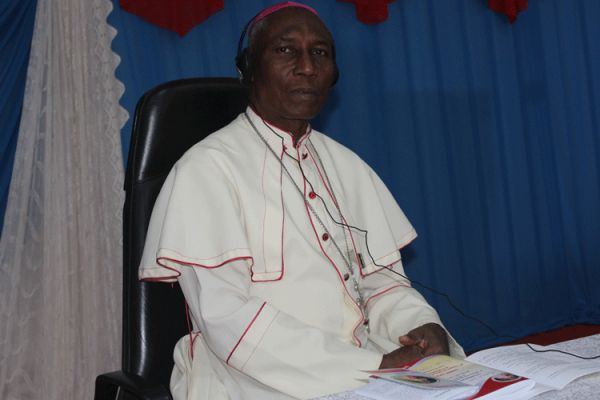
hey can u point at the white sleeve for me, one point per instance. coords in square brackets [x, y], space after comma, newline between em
[197, 204]
[395, 307]
[252, 336]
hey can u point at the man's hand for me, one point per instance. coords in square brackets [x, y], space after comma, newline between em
[400, 356]
[431, 338]
[423, 341]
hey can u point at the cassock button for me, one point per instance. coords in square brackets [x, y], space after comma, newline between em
[346, 276]
[312, 195]
[366, 322]
[325, 237]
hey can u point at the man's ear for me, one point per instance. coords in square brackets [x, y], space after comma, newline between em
[336, 72]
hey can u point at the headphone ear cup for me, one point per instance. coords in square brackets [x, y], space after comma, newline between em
[242, 62]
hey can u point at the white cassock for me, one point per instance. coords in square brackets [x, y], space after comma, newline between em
[286, 298]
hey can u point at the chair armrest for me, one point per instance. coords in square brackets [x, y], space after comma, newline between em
[110, 384]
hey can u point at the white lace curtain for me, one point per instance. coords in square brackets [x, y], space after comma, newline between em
[60, 254]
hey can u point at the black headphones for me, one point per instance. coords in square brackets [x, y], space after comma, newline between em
[243, 60]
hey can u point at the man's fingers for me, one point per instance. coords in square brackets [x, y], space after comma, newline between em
[430, 338]
[416, 336]
[406, 340]
[400, 357]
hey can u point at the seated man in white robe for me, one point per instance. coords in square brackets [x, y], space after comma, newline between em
[264, 224]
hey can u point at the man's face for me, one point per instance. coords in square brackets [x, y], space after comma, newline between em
[293, 67]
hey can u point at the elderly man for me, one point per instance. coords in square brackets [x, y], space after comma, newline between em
[264, 224]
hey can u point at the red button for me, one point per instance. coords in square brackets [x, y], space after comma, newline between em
[325, 236]
[304, 156]
[312, 195]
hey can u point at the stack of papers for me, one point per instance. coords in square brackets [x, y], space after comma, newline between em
[502, 373]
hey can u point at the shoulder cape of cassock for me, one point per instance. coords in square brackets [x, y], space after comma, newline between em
[199, 215]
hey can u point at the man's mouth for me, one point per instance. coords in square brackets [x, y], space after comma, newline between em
[307, 92]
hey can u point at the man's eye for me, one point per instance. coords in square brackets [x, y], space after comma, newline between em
[284, 50]
[320, 52]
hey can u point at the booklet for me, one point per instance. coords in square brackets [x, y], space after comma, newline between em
[509, 372]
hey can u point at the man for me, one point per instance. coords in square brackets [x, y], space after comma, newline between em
[264, 224]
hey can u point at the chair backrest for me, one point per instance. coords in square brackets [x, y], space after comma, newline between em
[168, 120]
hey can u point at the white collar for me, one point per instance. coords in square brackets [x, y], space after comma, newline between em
[278, 138]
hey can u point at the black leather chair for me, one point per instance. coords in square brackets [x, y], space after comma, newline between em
[168, 120]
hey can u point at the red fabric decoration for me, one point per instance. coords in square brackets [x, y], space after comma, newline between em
[370, 11]
[176, 15]
[509, 7]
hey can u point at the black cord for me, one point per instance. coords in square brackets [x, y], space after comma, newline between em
[432, 290]
[366, 233]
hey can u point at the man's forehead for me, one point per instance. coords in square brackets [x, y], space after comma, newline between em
[296, 31]
[287, 22]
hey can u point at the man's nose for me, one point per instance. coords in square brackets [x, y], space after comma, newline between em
[305, 64]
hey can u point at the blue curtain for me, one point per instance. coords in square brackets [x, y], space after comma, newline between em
[486, 133]
[16, 28]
